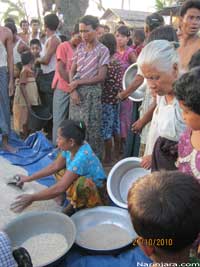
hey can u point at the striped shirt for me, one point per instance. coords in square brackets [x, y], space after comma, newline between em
[89, 62]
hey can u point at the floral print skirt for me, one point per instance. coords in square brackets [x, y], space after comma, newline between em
[89, 110]
[84, 193]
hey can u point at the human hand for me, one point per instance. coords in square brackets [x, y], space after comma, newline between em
[122, 95]
[75, 97]
[146, 162]
[22, 179]
[37, 61]
[137, 126]
[21, 203]
[73, 85]
[11, 87]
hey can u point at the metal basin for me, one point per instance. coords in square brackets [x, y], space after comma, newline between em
[121, 177]
[100, 216]
[32, 224]
[128, 77]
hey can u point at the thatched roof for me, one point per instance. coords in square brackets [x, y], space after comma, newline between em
[134, 18]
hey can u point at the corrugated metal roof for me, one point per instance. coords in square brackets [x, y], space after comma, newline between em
[127, 15]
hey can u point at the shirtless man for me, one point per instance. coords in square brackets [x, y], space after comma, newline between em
[190, 25]
[24, 34]
[19, 46]
[6, 84]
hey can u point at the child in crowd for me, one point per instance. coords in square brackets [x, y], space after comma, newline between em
[26, 94]
[164, 211]
[188, 93]
[138, 40]
[84, 179]
[110, 104]
[36, 48]
[126, 55]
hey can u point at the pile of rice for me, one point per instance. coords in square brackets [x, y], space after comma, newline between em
[8, 194]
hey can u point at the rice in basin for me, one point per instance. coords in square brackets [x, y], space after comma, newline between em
[45, 248]
[104, 237]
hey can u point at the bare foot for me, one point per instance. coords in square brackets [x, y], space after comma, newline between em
[69, 210]
[9, 148]
[6, 146]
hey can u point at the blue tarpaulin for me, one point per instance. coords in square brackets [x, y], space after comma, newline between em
[37, 152]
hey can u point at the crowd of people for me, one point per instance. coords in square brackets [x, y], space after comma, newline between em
[79, 81]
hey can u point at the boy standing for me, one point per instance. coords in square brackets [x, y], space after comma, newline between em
[35, 48]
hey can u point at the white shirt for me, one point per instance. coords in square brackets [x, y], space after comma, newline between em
[37, 36]
[52, 63]
[167, 122]
[16, 54]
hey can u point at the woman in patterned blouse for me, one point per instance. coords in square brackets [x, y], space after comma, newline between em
[84, 179]
[110, 104]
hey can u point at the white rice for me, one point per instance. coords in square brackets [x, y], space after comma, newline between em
[8, 194]
[104, 237]
[45, 248]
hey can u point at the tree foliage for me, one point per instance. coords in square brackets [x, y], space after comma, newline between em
[15, 9]
[160, 4]
[72, 10]
[100, 5]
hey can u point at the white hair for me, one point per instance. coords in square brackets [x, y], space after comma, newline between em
[160, 54]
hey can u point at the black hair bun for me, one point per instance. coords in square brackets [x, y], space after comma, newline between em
[74, 129]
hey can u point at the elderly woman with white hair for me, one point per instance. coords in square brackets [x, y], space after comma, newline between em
[159, 64]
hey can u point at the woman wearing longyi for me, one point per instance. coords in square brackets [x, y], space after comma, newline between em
[84, 178]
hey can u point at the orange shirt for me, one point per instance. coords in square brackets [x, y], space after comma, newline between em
[64, 53]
